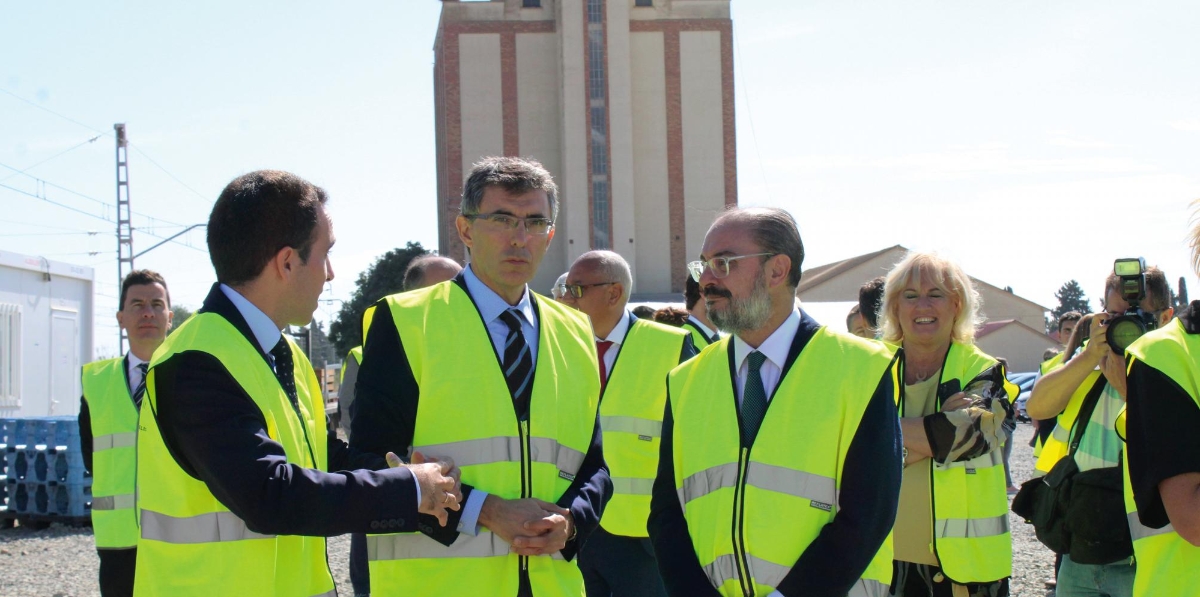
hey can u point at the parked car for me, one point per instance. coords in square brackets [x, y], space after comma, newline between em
[1025, 382]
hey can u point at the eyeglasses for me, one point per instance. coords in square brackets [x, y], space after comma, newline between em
[576, 290]
[535, 226]
[718, 265]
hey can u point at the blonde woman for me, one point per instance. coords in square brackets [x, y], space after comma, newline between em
[951, 534]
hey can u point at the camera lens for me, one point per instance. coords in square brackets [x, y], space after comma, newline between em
[1122, 332]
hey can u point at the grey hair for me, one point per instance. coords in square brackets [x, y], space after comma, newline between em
[414, 274]
[514, 175]
[612, 265]
[775, 231]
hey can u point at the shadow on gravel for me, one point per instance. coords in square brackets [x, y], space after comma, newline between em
[42, 530]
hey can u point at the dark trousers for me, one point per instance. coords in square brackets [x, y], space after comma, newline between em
[616, 566]
[921, 580]
[116, 571]
[360, 575]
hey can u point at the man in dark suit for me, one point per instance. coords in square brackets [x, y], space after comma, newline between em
[635, 357]
[504, 381]
[235, 497]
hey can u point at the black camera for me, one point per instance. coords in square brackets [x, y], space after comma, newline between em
[1130, 325]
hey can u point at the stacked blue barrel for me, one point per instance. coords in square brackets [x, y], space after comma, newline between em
[45, 477]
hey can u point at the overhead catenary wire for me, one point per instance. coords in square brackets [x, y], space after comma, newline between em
[110, 135]
[57, 155]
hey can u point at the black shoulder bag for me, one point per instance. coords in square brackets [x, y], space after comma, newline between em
[1044, 501]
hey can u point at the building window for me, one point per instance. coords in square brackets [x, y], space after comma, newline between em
[641, 3]
[536, 3]
[10, 355]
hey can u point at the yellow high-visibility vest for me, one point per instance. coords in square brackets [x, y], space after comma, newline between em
[466, 412]
[699, 337]
[1047, 366]
[356, 354]
[191, 545]
[751, 512]
[1166, 563]
[114, 453]
[631, 413]
[971, 537]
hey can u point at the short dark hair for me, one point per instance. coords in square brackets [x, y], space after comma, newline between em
[1158, 292]
[775, 231]
[870, 300]
[1068, 316]
[139, 277]
[514, 175]
[671, 316]
[691, 292]
[256, 216]
[643, 312]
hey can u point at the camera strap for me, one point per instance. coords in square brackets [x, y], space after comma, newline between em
[1085, 413]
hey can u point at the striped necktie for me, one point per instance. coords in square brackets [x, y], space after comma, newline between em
[285, 368]
[754, 399]
[517, 364]
[140, 390]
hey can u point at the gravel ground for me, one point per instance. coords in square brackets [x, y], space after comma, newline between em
[61, 560]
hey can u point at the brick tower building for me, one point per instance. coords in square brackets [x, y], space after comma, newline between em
[628, 103]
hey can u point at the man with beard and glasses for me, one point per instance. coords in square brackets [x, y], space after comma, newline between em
[796, 503]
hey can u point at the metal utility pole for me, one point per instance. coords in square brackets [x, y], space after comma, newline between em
[124, 219]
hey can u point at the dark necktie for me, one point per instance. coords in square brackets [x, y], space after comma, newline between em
[518, 364]
[140, 390]
[754, 399]
[602, 348]
[284, 368]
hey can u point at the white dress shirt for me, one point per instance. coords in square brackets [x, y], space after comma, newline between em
[775, 348]
[491, 306]
[617, 337]
[708, 333]
[132, 371]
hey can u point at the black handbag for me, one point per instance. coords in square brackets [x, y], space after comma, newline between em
[1045, 501]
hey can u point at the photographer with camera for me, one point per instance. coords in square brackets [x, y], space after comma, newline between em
[1084, 459]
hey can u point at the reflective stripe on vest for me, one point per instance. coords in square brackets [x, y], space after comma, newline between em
[114, 440]
[214, 527]
[631, 410]
[965, 528]
[791, 483]
[114, 502]
[483, 545]
[465, 412]
[114, 421]
[491, 450]
[1167, 563]
[764, 476]
[191, 545]
[634, 425]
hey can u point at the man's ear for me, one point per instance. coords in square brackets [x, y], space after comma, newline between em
[464, 231]
[121, 318]
[781, 266]
[1163, 318]
[615, 292]
[285, 262]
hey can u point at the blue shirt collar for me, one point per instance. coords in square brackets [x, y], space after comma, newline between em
[265, 331]
[490, 304]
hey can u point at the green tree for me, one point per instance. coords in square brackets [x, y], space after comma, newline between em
[384, 277]
[181, 314]
[1070, 298]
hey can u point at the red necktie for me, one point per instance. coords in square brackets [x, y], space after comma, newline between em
[601, 348]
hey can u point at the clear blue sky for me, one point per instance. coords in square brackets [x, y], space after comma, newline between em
[1034, 142]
